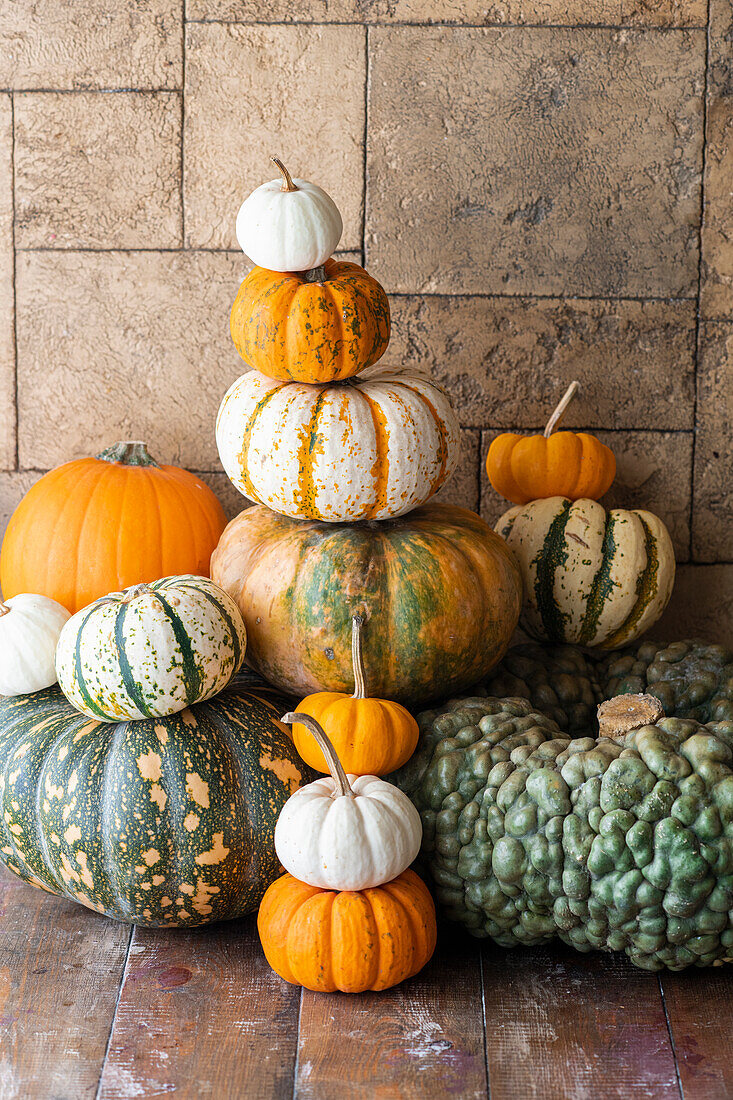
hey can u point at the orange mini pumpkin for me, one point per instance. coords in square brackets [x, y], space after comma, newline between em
[566, 464]
[350, 941]
[98, 525]
[370, 736]
[316, 326]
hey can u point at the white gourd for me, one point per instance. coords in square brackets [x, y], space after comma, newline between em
[151, 650]
[30, 626]
[288, 224]
[373, 448]
[345, 832]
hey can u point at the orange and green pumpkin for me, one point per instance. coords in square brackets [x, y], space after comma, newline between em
[164, 822]
[315, 326]
[438, 591]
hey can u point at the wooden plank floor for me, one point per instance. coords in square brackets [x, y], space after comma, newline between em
[89, 1008]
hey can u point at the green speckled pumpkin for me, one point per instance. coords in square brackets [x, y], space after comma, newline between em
[164, 822]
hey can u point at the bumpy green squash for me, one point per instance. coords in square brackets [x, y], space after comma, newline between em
[621, 843]
[164, 822]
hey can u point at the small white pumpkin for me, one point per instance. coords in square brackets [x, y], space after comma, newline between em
[288, 224]
[29, 630]
[373, 448]
[345, 832]
[151, 650]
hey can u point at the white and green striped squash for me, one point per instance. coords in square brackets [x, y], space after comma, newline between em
[152, 650]
[591, 577]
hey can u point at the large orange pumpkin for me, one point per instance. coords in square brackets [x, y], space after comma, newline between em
[290, 327]
[98, 525]
[350, 941]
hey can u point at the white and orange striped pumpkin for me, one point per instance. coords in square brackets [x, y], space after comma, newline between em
[369, 448]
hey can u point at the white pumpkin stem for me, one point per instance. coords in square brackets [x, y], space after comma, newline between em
[357, 658]
[135, 591]
[4, 609]
[562, 405]
[288, 184]
[340, 779]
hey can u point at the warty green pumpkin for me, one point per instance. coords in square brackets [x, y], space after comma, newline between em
[164, 822]
[593, 578]
[621, 841]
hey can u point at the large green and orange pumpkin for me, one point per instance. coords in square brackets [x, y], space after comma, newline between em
[438, 590]
[165, 822]
[98, 525]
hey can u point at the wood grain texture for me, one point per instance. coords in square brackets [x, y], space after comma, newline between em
[700, 1012]
[201, 1014]
[423, 1038]
[576, 1027]
[60, 973]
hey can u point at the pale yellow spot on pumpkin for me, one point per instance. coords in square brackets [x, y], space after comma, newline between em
[202, 897]
[183, 913]
[165, 902]
[162, 735]
[55, 838]
[54, 792]
[149, 766]
[191, 822]
[217, 854]
[20, 752]
[73, 781]
[63, 752]
[13, 776]
[86, 875]
[285, 770]
[68, 873]
[140, 869]
[188, 718]
[15, 805]
[8, 851]
[187, 888]
[17, 830]
[158, 795]
[158, 880]
[72, 833]
[151, 856]
[144, 885]
[197, 789]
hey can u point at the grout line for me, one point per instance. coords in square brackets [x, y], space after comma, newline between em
[691, 550]
[114, 1015]
[89, 91]
[671, 1037]
[445, 24]
[13, 273]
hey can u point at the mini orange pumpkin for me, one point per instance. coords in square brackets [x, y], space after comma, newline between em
[350, 941]
[98, 525]
[370, 736]
[316, 326]
[566, 464]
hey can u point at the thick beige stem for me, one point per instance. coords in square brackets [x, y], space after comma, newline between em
[324, 744]
[288, 184]
[137, 590]
[624, 713]
[357, 658]
[562, 405]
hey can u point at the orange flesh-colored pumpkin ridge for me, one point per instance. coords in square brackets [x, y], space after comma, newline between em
[97, 525]
[319, 326]
[575, 465]
[351, 941]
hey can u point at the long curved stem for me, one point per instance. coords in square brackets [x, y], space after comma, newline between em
[288, 184]
[324, 744]
[562, 405]
[357, 658]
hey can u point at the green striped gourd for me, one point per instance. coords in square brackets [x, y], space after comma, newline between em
[594, 578]
[166, 822]
[151, 650]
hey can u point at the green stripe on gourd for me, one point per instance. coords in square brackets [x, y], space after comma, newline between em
[175, 642]
[593, 578]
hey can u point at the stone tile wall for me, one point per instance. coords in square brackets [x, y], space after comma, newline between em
[544, 187]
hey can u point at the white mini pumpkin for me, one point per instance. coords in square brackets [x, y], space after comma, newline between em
[30, 626]
[151, 650]
[288, 224]
[374, 447]
[345, 832]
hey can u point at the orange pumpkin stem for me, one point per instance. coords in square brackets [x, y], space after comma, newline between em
[562, 405]
[288, 184]
[4, 609]
[357, 658]
[340, 779]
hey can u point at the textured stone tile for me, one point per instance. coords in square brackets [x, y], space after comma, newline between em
[254, 91]
[13, 488]
[518, 161]
[716, 290]
[463, 487]
[115, 345]
[95, 44]
[701, 605]
[653, 471]
[688, 13]
[507, 361]
[98, 170]
[7, 347]
[713, 510]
